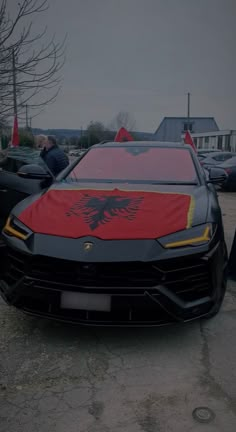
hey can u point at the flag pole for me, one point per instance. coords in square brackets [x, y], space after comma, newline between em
[188, 112]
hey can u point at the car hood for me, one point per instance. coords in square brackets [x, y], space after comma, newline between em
[114, 213]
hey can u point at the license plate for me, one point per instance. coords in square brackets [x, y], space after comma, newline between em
[84, 301]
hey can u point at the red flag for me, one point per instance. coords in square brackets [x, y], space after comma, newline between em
[188, 140]
[155, 214]
[123, 135]
[15, 141]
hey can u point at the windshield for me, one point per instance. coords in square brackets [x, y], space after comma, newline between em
[135, 164]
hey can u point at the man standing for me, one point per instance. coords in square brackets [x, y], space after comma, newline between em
[232, 259]
[53, 156]
[3, 158]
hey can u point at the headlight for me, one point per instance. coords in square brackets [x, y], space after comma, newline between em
[15, 228]
[195, 236]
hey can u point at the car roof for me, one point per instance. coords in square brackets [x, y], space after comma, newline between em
[218, 153]
[142, 143]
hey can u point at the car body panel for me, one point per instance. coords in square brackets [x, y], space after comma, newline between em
[215, 158]
[14, 189]
[230, 167]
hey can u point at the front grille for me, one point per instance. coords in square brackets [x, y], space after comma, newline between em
[125, 310]
[188, 277]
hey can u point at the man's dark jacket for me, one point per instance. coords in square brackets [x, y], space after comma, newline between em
[55, 158]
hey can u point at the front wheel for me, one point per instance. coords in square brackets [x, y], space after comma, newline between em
[229, 188]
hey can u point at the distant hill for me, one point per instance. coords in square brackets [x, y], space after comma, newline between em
[59, 133]
[69, 133]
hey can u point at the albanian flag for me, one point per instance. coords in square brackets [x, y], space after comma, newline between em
[15, 140]
[123, 135]
[108, 214]
[188, 140]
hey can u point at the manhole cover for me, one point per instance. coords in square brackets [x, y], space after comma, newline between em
[203, 414]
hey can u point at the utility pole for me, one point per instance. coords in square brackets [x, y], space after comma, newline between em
[81, 136]
[26, 117]
[14, 82]
[188, 111]
[89, 139]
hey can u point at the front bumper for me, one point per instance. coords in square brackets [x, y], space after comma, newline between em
[142, 293]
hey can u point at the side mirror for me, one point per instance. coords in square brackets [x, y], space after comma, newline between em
[217, 176]
[34, 172]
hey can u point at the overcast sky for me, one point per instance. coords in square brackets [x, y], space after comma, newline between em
[143, 56]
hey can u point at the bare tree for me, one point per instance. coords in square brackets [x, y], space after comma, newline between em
[96, 129]
[123, 119]
[32, 60]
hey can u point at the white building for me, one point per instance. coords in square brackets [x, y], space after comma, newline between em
[218, 140]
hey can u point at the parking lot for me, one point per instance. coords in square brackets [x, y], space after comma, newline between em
[57, 377]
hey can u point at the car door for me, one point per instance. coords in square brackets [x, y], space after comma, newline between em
[14, 189]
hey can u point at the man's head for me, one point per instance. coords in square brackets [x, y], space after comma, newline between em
[51, 141]
[45, 142]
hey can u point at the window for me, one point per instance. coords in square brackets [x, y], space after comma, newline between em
[135, 164]
[219, 158]
[223, 157]
[17, 157]
[188, 126]
[206, 140]
[227, 142]
[220, 142]
[12, 165]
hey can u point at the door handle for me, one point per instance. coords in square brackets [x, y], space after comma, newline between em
[3, 190]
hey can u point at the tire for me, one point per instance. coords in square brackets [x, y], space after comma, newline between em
[229, 188]
[225, 188]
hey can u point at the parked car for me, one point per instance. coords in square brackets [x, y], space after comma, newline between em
[73, 152]
[207, 151]
[76, 152]
[131, 234]
[208, 160]
[14, 188]
[229, 167]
